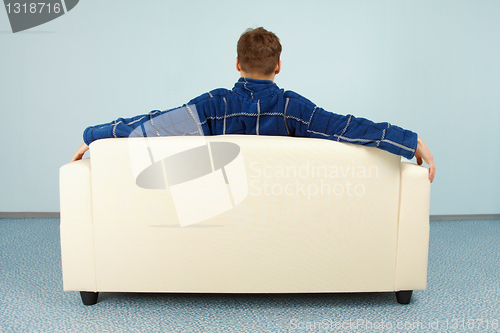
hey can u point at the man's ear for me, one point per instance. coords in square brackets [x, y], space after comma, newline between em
[238, 66]
[278, 67]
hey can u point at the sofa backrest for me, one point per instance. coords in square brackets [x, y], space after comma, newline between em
[256, 207]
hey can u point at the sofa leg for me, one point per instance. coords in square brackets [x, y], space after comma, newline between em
[404, 296]
[88, 297]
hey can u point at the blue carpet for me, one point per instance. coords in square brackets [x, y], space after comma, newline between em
[463, 294]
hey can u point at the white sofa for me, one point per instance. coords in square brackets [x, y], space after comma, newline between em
[271, 215]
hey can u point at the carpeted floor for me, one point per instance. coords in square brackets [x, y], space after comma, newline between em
[463, 294]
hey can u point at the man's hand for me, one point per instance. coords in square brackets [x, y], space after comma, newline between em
[81, 150]
[423, 153]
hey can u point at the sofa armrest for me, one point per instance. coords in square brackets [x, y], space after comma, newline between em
[413, 228]
[77, 230]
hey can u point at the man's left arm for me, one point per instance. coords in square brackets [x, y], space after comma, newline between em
[80, 152]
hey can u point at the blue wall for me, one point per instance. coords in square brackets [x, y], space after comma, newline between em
[430, 66]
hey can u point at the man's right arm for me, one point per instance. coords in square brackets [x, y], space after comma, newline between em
[394, 139]
[423, 153]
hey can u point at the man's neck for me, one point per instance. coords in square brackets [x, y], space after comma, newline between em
[258, 76]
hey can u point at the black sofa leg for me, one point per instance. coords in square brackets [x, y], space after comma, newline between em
[89, 297]
[404, 296]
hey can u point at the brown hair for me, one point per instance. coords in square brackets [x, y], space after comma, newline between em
[259, 51]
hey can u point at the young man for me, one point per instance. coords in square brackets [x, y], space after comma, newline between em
[257, 106]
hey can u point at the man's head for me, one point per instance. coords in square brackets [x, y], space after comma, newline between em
[259, 53]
